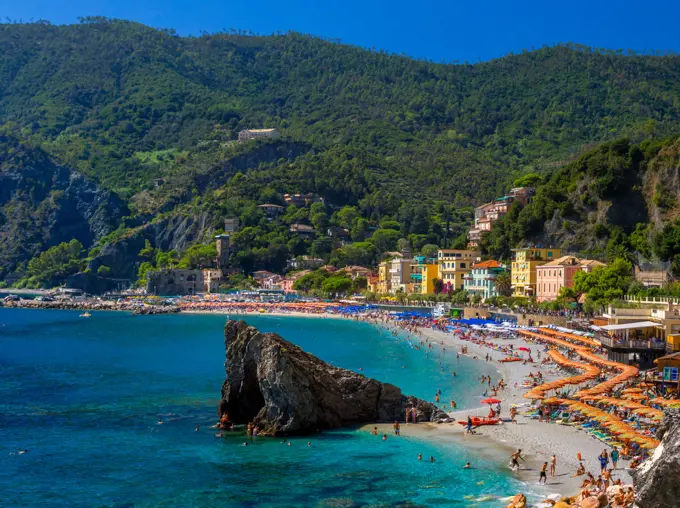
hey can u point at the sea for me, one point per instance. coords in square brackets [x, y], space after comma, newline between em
[84, 396]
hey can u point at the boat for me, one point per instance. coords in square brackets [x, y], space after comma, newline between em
[511, 359]
[480, 420]
[86, 314]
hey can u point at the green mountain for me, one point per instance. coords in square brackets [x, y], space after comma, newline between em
[615, 201]
[152, 118]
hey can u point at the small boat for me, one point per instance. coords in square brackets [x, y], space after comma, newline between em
[480, 420]
[86, 314]
[511, 359]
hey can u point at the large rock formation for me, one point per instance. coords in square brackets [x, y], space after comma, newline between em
[656, 479]
[285, 390]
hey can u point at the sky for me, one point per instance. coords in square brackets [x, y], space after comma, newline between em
[445, 30]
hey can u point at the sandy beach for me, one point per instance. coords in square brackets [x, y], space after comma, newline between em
[538, 441]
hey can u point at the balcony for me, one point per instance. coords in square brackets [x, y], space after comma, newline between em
[613, 343]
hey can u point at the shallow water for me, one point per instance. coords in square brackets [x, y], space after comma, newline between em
[84, 396]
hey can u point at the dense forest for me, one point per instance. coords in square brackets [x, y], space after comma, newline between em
[400, 149]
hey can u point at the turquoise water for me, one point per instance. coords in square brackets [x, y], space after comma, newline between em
[84, 396]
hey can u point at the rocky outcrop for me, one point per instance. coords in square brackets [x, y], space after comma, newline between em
[284, 390]
[656, 479]
[43, 203]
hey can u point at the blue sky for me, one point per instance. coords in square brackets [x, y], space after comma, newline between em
[447, 30]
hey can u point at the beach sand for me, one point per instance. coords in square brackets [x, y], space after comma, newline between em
[538, 441]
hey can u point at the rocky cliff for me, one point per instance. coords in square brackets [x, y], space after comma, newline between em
[656, 480]
[285, 390]
[43, 203]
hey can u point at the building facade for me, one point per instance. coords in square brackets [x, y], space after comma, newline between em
[250, 134]
[555, 275]
[524, 264]
[174, 282]
[453, 265]
[481, 281]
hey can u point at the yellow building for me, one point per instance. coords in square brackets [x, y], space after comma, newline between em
[428, 273]
[524, 265]
[384, 278]
[454, 264]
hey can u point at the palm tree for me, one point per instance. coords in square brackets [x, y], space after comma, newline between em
[503, 284]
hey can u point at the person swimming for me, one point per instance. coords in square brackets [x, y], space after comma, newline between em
[467, 466]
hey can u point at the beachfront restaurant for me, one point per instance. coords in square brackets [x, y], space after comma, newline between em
[637, 343]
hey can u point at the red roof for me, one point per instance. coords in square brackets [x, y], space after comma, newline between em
[491, 263]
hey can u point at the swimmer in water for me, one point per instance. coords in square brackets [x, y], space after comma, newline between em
[384, 438]
[420, 456]
[198, 427]
[431, 458]
[160, 422]
[467, 466]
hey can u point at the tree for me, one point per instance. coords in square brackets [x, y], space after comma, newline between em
[336, 284]
[385, 239]
[429, 250]
[438, 285]
[199, 256]
[605, 283]
[503, 284]
[104, 271]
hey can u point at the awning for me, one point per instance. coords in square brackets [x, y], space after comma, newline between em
[631, 326]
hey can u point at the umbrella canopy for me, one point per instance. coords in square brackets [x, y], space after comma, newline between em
[491, 401]
[524, 349]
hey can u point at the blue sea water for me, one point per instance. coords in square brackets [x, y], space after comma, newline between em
[83, 396]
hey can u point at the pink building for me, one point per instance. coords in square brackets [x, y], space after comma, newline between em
[554, 275]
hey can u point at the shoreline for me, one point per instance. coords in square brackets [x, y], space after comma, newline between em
[538, 441]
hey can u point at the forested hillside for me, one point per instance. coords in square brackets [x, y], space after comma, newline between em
[153, 117]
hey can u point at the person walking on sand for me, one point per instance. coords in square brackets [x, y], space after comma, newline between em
[615, 457]
[542, 477]
[604, 460]
[553, 465]
[469, 425]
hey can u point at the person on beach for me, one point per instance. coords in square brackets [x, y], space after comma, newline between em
[469, 425]
[397, 428]
[615, 457]
[375, 431]
[543, 477]
[580, 470]
[604, 460]
[553, 465]
[578, 456]
[514, 462]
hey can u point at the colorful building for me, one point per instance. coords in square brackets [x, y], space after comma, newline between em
[453, 265]
[384, 284]
[524, 266]
[423, 273]
[481, 280]
[555, 275]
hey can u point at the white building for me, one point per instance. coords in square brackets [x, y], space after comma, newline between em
[248, 134]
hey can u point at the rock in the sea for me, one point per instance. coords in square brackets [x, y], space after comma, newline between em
[284, 390]
[656, 479]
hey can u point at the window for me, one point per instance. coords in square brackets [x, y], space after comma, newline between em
[462, 265]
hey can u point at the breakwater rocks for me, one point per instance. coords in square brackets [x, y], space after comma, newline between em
[92, 305]
[656, 479]
[284, 390]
